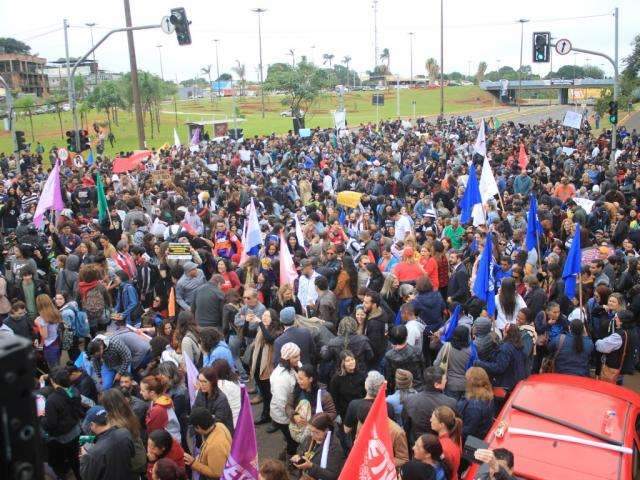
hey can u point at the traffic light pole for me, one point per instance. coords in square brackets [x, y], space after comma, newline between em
[84, 57]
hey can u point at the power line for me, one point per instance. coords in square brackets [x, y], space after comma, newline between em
[42, 34]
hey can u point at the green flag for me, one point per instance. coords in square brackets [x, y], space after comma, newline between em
[496, 122]
[103, 207]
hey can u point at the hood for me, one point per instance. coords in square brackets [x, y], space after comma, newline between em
[482, 326]
[164, 401]
[73, 263]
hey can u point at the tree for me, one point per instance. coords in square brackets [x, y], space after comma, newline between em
[632, 61]
[109, 96]
[83, 109]
[385, 56]
[433, 69]
[301, 86]
[55, 101]
[592, 71]
[292, 52]
[11, 45]
[456, 76]
[27, 104]
[347, 60]
[80, 87]
[570, 71]
[224, 77]
[241, 70]
[482, 69]
[328, 57]
[207, 71]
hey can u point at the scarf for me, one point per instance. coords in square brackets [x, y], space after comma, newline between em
[85, 287]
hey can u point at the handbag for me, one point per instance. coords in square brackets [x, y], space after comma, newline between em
[549, 362]
[608, 374]
[300, 432]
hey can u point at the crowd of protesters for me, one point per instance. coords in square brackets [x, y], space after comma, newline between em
[115, 314]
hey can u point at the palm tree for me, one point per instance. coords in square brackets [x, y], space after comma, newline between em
[328, 57]
[482, 69]
[207, 71]
[346, 60]
[432, 70]
[385, 56]
[241, 70]
[292, 52]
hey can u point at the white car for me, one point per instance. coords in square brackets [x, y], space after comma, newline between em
[287, 113]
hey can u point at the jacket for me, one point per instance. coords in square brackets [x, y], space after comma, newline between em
[161, 415]
[116, 356]
[126, 302]
[302, 338]
[220, 352]
[429, 306]
[357, 344]
[347, 387]
[406, 358]
[283, 382]
[67, 279]
[508, 367]
[477, 416]
[375, 330]
[137, 345]
[335, 458]
[536, 300]
[62, 412]
[104, 460]
[214, 452]
[456, 366]
[567, 360]
[175, 453]
[207, 306]
[217, 406]
[418, 408]
[458, 287]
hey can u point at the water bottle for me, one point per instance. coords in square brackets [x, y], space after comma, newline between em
[607, 423]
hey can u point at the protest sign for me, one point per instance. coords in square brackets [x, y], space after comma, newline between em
[572, 119]
[179, 251]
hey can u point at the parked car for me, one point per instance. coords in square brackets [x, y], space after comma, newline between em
[287, 113]
[547, 416]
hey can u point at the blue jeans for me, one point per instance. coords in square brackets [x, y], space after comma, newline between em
[235, 345]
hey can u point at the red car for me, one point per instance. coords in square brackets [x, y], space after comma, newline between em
[564, 427]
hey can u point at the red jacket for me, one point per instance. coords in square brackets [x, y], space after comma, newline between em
[176, 453]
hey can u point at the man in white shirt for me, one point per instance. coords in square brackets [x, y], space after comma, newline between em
[327, 182]
[415, 327]
[307, 292]
[403, 225]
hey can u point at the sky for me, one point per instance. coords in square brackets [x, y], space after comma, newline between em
[474, 31]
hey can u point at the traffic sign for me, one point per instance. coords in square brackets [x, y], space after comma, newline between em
[563, 46]
[167, 26]
[63, 154]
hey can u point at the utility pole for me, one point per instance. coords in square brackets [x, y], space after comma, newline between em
[397, 95]
[216, 40]
[160, 54]
[91, 25]
[411, 34]
[135, 86]
[12, 126]
[375, 33]
[442, 57]
[175, 101]
[70, 83]
[522, 22]
[260, 11]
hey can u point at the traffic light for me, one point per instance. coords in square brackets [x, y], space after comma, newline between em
[84, 141]
[179, 20]
[71, 141]
[20, 140]
[613, 113]
[541, 43]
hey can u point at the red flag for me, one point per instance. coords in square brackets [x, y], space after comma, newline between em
[372, 257]
[371, 457]
[523, 160]
[188, 228]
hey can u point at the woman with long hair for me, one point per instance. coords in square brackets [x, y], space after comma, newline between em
[231, 280]
[376, 279]
[311, 458]
[449, 429]
[346, 286]
[508, 366]
[308, 389]
[458, 355]
[508, 303]
[428, 450]
[286, 298]
[229, 385]
[572, 351]
[476, 408]
[188, 336]
[347, 383]
[210, 396]
[408, 270]
[430, 265]
[550, 324]
[269, 329]
[94, 297]
[389, 292]
[442, 262]
[48, 325]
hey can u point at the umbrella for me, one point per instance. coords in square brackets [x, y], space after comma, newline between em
[126, 164]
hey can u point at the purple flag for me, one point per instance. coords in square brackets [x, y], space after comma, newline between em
[242, 463]
[195, 140]
[192, 377]
[51, 196]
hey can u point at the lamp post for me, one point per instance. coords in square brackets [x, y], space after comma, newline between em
[260, 11]
[160, 54]
[411, 34]
[522, 22]
[216, 41]
[91, 25]
[442, 58]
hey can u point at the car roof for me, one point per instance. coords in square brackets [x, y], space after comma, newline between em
[579, 401]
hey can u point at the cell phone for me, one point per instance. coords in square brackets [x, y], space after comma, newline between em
[470, 446]
[300, 461]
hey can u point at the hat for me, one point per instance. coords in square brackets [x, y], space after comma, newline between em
[289, 350]
[404, 379]
[405, 289]
[96, 414]
[287, 316]
[187, 267]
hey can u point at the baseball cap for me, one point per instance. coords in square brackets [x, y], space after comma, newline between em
[96, 414]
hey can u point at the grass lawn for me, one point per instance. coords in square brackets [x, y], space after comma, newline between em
[358, 105]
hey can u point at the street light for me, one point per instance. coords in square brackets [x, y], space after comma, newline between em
[522, 22]
[216, 40]
[260, 11]
[442, 58]
[160, 54]
[411, 34]
[91, 25]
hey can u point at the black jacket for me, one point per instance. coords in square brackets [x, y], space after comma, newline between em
[217, 406]
[344, 388]
[302, 338]
[62, 412]
[375, 329]
[458, 286]
[105, 459]
[418, 407]
[536, 300]
[407, 358]
[207, 306]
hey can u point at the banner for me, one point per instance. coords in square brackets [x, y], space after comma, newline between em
[348, 198]
[305, 132]
[572, 119]
[179, 251]
[340, 119]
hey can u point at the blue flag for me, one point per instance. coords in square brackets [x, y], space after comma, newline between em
[533, 224]
[90, 159]
[473, 248]
[451, 326]
[484, 286]
[572, 265]
[471, 198]
[342, 216]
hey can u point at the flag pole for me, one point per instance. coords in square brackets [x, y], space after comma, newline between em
[539, 250]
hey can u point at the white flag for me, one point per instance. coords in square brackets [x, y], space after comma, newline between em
[481, 142]
[176, 138]
[299, 234]
[488, 186]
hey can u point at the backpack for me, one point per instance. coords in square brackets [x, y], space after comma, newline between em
[95, 306]
[80, 325]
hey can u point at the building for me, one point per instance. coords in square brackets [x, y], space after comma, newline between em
[88, 70]
[24, 73]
